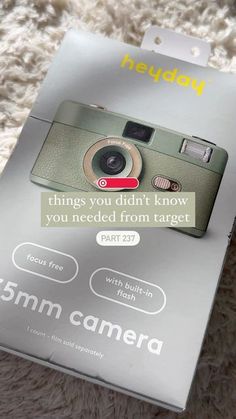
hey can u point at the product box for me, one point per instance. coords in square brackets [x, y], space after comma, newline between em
[125, 305]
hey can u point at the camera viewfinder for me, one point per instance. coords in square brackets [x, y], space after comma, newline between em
[137, 131]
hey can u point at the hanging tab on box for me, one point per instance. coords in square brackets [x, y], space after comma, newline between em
[176, 45]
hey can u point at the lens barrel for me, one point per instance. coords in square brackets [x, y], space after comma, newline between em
[112, 162]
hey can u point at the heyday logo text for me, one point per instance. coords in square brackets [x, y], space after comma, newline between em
[158, 74]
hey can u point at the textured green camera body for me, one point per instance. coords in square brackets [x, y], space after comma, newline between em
[76, 128]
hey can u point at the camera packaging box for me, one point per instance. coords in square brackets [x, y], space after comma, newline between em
[94, 285]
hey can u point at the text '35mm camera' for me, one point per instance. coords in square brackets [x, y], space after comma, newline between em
[86, 143]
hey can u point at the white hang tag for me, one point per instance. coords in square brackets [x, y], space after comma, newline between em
[176, 45]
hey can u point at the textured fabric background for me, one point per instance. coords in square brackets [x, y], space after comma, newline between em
[30, 33]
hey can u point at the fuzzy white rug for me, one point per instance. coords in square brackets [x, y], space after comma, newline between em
[30, 33]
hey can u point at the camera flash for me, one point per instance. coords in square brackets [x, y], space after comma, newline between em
[196, 150]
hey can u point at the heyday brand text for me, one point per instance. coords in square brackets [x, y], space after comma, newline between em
[10, 293]
[158, 74]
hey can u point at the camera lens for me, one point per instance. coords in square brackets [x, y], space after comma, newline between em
[112, 162]
[112, 156]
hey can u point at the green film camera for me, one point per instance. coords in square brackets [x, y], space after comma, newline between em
[86, 143]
